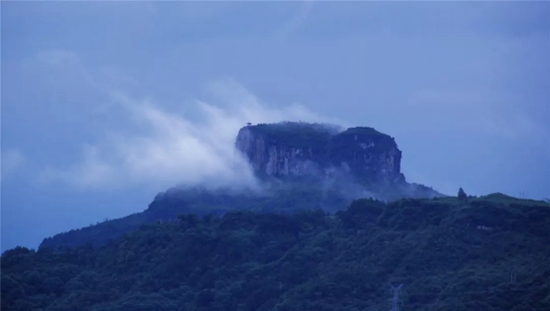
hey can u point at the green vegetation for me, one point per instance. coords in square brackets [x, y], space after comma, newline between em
[488, 253]
[354, 143]
[363, 130]
[462, 195]
[99, 233]
[319, 137]
[292, 196]
[285, 198]
[297, 135]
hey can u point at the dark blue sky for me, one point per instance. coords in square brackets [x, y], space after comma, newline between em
[104, 104]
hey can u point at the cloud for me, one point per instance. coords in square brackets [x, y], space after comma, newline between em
[163, 148]
[12, 160]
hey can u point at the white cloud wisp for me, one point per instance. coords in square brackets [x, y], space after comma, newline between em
[163, 149]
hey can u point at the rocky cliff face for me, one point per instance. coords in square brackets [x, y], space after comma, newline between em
[301, 149]
[281, 150]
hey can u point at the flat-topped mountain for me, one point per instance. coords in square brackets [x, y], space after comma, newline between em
[301, 166]
[297, 149]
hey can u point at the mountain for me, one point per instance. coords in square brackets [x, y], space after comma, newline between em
[359, 158]
[300, 149]
[461, 254]
[300, 166]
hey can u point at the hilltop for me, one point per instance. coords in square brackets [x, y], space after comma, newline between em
[301, 166]
[354, 158]
[301, 149]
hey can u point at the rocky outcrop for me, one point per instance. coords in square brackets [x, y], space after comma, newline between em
[301, 149]
[326, 153]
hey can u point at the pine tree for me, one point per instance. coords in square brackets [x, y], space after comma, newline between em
[462, 195]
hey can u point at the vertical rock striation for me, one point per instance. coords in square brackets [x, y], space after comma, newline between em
[292, 149]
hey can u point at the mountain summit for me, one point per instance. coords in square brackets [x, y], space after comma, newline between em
[358, 161]
[302, 166]
[300, 149]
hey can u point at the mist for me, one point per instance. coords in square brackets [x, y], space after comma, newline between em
[162, 148]
[108, 104]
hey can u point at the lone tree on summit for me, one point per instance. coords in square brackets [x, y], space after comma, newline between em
[462, 195]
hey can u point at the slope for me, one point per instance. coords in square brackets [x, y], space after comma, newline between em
[449, 254]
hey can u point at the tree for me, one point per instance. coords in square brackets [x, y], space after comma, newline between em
[462, 195]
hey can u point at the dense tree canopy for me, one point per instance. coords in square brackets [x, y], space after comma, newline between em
[488, 253]
[284, 198]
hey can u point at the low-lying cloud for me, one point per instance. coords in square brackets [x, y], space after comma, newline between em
[163, 148]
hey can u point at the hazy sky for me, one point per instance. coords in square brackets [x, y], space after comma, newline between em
[105, 104]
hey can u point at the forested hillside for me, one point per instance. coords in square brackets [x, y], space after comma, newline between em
[488, 253]
[298, 166]
[281, 198]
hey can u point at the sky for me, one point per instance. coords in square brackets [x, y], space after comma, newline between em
[105, 104]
